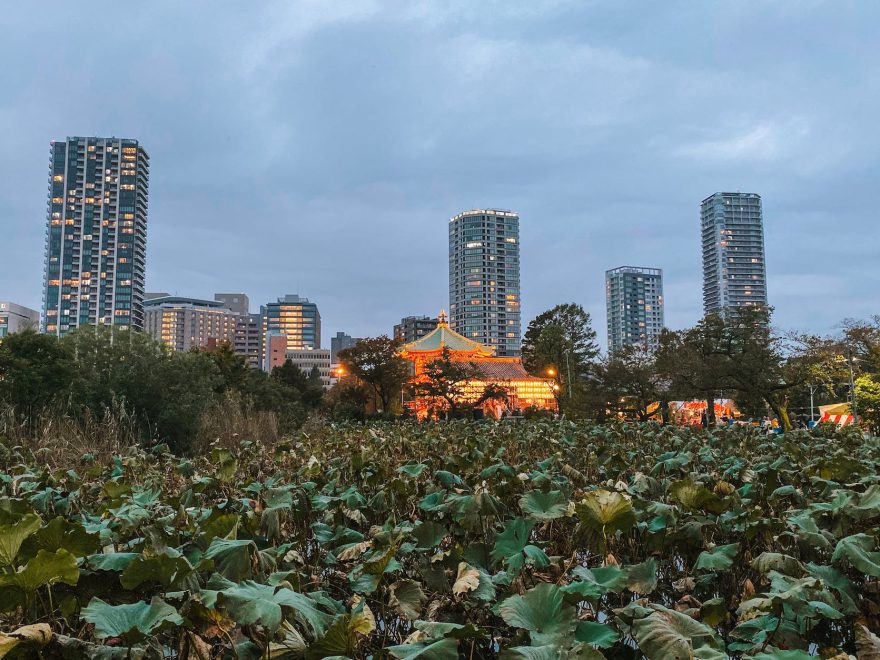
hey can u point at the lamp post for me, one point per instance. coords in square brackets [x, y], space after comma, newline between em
[812, 404]
[852, 383]
[553, 373]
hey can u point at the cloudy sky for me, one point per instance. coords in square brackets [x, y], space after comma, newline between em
[320, 147]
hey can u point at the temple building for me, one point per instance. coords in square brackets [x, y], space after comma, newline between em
[522, 389]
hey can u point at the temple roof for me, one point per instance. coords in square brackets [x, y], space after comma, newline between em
[499, 369]
[445, 337]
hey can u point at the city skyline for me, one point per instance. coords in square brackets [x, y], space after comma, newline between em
[347, 202]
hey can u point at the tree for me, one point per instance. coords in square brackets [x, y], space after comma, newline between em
[693, 361]
[769, 365]
[862, 339]
[493, 392]
[167, 392]
[446, 379]
[741, 354]
[232, 367]
[35, 370]
[292, 376]
[561, 339]
[348, 399]
[631, 382]
[376, 362]
[300, 386]
[868, 395]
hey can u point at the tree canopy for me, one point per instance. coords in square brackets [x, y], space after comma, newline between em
[376, 362]
[562, 339]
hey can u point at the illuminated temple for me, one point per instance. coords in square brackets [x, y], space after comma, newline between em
[523, 390]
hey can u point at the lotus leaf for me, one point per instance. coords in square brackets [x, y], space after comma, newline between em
[132, 622]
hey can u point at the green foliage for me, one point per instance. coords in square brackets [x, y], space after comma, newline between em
[562, 339]
[445, 381]
[34, 370]
[868, 397]
[375, 363]
[528, 540]
[130, 623]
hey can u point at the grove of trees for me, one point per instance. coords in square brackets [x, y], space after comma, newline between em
[95, 372]
[165, 396]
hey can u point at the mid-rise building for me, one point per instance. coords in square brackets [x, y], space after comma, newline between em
[484, 279]
[340, 342]
[413, 328]
[247, 339]
[238, 303]
[634, 302]
[273, 351]
[307, 360]
[96, 235]
[734, 268]
[185, 323]
[294, 317]
[15, 318]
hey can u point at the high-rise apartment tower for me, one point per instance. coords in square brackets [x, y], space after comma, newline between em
[634, 302]
[734, 269]
[484, 284]
[96, 237]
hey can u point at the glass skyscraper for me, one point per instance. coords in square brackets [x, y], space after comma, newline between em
[734, 269]
[484, 284]
[294, 317]
[96, 234]
[634, 302]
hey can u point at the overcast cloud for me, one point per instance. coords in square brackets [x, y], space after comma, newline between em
[320, 147]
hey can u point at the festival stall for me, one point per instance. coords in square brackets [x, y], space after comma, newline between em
[690, 413]
[836, 413]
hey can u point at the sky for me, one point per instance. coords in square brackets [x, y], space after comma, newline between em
[320, 147]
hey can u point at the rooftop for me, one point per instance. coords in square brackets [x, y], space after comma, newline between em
[634, 269]
[502, 212]
[181, 300]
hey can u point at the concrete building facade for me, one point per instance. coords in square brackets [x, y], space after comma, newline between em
[274, 351]
[96, 234]
[734, 266]
[247, 339]
[185, 323]
[413, 328]
[15, 318]
[238, 303]
[484, 279]
[634, 303]
[307, 360]
[340, 342]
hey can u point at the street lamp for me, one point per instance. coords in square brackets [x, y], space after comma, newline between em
[852, 383]
[812, 404]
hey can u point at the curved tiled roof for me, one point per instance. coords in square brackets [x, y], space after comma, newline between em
[445, 337]
[500, 369]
